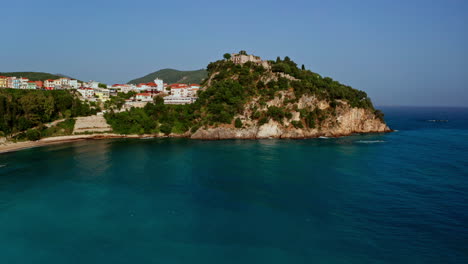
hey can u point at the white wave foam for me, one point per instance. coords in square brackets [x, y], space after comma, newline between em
[324, 137]
[369, 141]
[437, 120]
[2, 165]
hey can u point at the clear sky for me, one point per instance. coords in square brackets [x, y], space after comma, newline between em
[412, 52]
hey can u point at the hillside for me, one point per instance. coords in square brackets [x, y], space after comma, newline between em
[173, 76]
[22, 109]
[273, 99]
[32, 76]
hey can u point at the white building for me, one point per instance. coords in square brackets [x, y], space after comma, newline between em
[92, 84]
[171, 99]
[49, 83]
[102, 94]
[23, 83]
[192, 92]
[87, 92]
[144, 97]
[125, 88]
[64, 82]
[143, 87]
[179, 92]
[74, 84]
[159, 85]
[243, 58]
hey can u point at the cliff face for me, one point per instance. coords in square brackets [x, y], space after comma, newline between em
[343, 121]
[245, 97]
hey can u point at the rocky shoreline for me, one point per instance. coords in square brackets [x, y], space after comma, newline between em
[348, 121]
[202, 134]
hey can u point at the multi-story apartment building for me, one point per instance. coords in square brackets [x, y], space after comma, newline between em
[23, 83]
[49, 84]
[102, 94]
[11, 82]
[179, 89]
[74, 84]
[16, 83]
[32, 85]
[86, 92]
[144, 97]
[3, 82]
[171, 99]
[57, 84]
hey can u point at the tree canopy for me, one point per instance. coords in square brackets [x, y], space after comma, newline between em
[24, 109]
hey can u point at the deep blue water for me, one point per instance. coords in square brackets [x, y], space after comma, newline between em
[389, 198]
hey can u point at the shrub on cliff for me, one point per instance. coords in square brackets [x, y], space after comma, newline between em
[297, 124]
[238, 123]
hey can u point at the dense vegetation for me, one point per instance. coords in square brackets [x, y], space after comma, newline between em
[21, 110]
[154, 118]
[116, 102]
[232, 89]
[173, 76]
[63, 128]
[32, 76]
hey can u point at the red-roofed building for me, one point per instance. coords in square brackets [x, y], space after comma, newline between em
[179, 89]
[49, 84]
[145, 97]
[86, 92]
[31, 85]
[39, 84]
[178, 86]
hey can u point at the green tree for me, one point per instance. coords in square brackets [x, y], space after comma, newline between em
[238, 123]
[166, 129]
[243, 52]
[33, 134]
[158, 100]
[303, 67]
[102, 85]
[227, 56]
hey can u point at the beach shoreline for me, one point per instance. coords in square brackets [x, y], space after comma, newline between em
[7, 147]
[16, 146]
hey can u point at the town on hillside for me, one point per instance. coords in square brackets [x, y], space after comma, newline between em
[92, 91]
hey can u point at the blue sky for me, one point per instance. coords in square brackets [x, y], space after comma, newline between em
[410, 52]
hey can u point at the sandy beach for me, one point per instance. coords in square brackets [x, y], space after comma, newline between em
[95, 126]
[15, 146]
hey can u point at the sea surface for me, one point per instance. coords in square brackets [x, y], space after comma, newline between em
[400, 197]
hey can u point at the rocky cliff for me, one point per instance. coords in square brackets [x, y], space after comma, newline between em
[345, 120]
[246, 97]
[283, 101]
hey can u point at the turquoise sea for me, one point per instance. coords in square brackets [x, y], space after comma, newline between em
[400, 197]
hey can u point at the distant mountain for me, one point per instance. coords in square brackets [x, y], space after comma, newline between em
[63, 75]
[33, 76]
[173, 76]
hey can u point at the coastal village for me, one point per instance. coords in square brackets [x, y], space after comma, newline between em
[93, 91]
[177, 93]
[125, 110]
